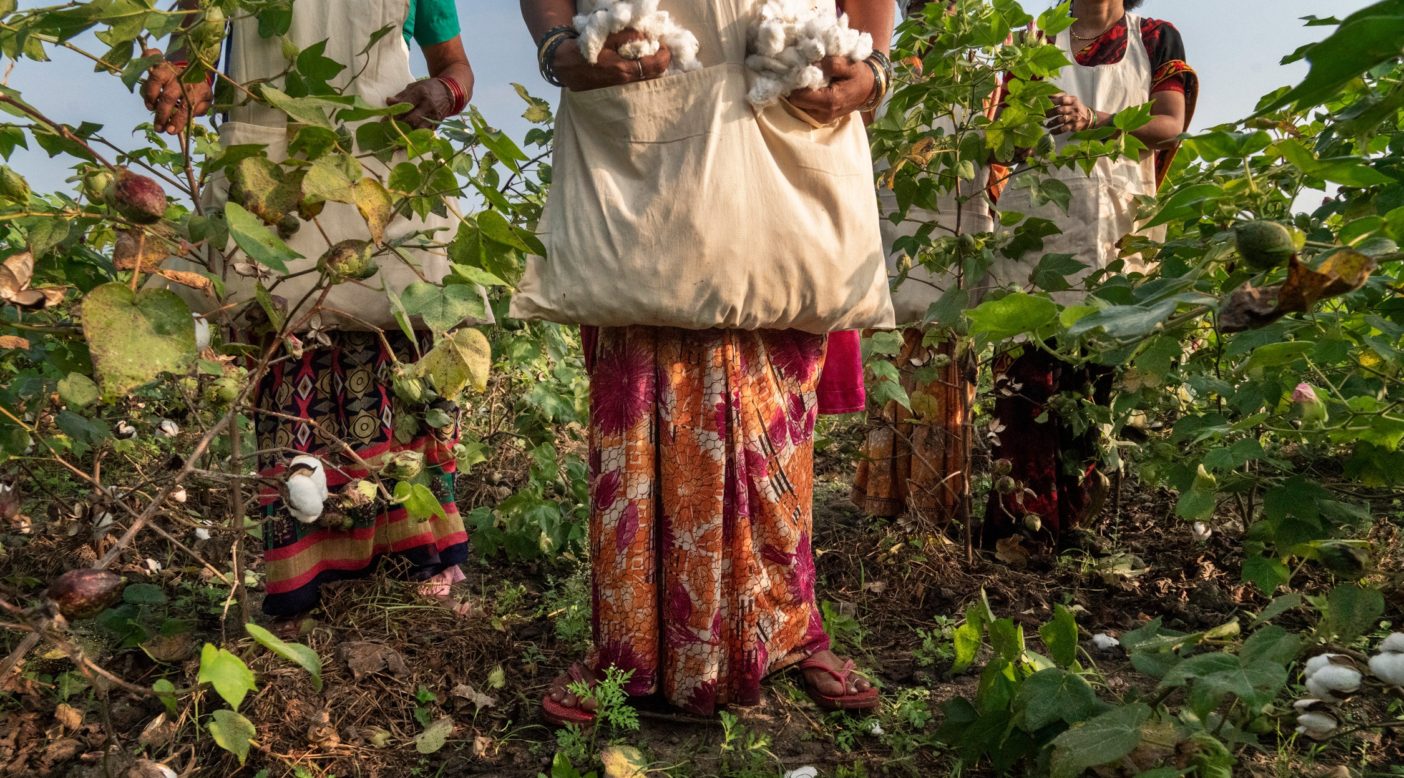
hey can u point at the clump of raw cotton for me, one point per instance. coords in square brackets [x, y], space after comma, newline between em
[788, 37]
[600, 19]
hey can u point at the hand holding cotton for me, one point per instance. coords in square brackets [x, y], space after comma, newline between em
[602, 18]
[785, 41]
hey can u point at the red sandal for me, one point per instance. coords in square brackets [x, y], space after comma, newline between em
[562, 715]
[867, 699]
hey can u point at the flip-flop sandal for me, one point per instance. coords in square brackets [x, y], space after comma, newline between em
[562, 715]
[867, 699]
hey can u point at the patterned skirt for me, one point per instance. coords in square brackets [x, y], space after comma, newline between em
[916, 462]
[341, 394]
[1053, 459]
[702, 479]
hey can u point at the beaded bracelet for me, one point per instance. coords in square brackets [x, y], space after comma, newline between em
[546, 51]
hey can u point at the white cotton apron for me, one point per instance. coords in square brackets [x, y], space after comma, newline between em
[1102, 210]
[382, 71]
[676, 203]
[921, 287]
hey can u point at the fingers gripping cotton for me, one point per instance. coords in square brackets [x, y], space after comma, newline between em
[785, 40]
[600, 19]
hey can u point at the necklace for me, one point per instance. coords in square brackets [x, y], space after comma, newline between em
[1098, 35]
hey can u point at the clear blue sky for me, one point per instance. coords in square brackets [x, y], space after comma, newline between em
[1235, 45]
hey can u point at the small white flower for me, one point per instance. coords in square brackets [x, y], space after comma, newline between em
[202, 534]
[1104, 642]
[1316, 725]
[168, 428]
[1201, 531]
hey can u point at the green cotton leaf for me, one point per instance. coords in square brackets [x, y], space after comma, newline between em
[1054, 695]
[1352, 611]
[1102, 740]
[495, 227]
[1127, 321]
[257, 240]
[227, 673]
[966, 640]
[331, 178]
[1007, 640]
[166, 693]
[1060, 636]
[538, 111]
[143, 594]
[134, 338]
[443, 307]
[78, 390]
[1266, 573]
[420, 502]
[434, 736]
[1346, 171]
[1271, 644]
[1365, 39]
[297, 653]
[1220, 674]
[303, 110]
[1050, 190]
[1054, 270]
[457, 362]
[1186, 203]
[1014, 314]
[232, 732]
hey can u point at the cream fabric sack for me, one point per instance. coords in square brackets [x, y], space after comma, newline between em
[675, 203]
[381, 72]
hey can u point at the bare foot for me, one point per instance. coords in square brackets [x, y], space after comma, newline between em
[560, 692]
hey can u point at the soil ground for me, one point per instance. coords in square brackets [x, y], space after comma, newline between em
[393, 664]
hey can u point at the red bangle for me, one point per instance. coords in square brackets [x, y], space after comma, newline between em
[460, 99]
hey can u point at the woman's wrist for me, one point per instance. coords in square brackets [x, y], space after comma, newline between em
[881, 68]
[460, 96]
[547, 49]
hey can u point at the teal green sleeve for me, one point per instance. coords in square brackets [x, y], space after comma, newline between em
[431, 21]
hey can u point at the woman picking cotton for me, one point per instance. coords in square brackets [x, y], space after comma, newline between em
[1048, 478]
[710, 244]
[915, 457]
[329, 413]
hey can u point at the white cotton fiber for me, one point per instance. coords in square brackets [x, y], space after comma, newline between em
[600, 19]
[787, 38]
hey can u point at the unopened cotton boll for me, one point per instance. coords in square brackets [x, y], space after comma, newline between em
[1316, 725]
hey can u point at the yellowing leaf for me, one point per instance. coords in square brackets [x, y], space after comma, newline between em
[232, 732]
[134, 338]
[457, 362]
[375, 206]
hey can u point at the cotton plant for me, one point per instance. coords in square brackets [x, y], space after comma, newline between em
[1331, 679]
[787, 39]
[600, 19]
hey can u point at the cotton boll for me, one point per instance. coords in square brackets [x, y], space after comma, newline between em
[168, 428]
[1333, 680]
[639, 49]
[178, 495]
[202, 534]
[765, 90]
[812, 49]
[1388, 668]
[1316, 663]
[1394, 644]
[769, 39]
[1104, 642]
[1201, 531]
[1317, 726]
[202, 332]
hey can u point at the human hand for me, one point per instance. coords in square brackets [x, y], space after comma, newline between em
[851, 84]
[431, 101]
[174, 105]
[1069, 114]
[612, 69]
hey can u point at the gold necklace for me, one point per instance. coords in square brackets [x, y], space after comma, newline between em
[1098, 35]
